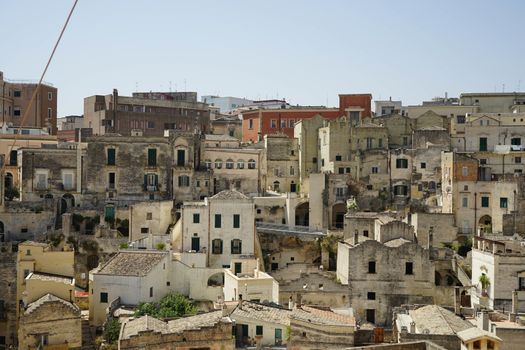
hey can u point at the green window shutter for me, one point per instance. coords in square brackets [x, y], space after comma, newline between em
[236, 221]
[152, 157]
[111, 156]
[217, 220]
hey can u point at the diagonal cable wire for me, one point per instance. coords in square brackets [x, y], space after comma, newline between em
[33, 97]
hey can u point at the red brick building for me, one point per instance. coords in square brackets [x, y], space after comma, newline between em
[260, 122]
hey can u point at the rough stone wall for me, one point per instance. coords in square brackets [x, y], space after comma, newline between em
[54, 161]
[318, 337]
[8, 293]
[131, 166]
[390, 283]
[450, 342]
[513, 338]
[392, 230]
[59, 321]
[218, 337]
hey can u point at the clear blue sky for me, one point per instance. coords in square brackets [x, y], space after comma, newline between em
[305, 51]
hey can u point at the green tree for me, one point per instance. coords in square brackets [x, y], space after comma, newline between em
[112, 331]
[172, 305]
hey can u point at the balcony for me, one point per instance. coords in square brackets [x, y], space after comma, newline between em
[151, 188]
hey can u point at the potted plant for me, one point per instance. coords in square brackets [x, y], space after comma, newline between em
[485, 283]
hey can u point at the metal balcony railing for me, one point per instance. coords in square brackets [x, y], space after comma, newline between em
[289, 229]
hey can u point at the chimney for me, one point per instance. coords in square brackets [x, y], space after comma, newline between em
[412, 327]
[356, 237]
[484, 320]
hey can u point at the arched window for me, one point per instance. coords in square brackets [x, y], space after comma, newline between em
[229, 163]
[236, 247]
[207, 163]
[251, 164]
[218, 163]
[216, 246]
[240, 164]
[276, 186]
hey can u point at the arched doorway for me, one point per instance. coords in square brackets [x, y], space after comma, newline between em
[216, 280]
[276, 186]
[338, 215]
[70, 200]
[302, 214]
[485, 223]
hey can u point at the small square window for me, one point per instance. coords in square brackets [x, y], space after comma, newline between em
[517, 160]
[196, 218]
[144, 230]
[371, 296]
[103, 297]
[17, 93]
[149, 216]
[485, 202]
[503, 203]
[258, 330]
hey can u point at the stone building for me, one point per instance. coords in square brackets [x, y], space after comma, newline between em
[187, 183]
[501, 259]
[399, 129]
[232, 165]
[430, 322]
[47, 314]
[51, 176]
[227, 125]
[122, 170]
[15, 97]
[205, 331]
[282, 163]
[8, 300]
[150, 220]
[494, 102]
[218, 229]
[244, 280]
[320, 328]
[144, 114]
[129, 278]
[383, 275]
[476, 202]
[50, 322]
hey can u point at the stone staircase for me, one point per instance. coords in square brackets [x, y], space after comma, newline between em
[88, 338]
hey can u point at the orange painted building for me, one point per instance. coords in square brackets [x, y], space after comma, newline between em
[260, 122]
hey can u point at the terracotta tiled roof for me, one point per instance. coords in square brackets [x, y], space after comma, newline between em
[50, 298]
[322, 317]
[132, 263]
[437, 320]
[133, 327]
[255, 311]
[229, 194]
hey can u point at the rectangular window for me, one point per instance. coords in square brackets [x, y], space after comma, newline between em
[151, 125]
[152, 157]
[292, 171]
[17, 112]
[517, 160]
[375, 170]
[250, 123]
[144, 230]
[405, 140]
[111, 156]
[103, 297]
[258, 330]
[503, 202]
[17, 93]
[216, 247]
[196, 218]
[482, 143]
[149, 216]
[184, 181]
[369, 142]
[283, 123]
[236, 247]
[341, 170]
[236, 221]
[409, 268]
[273, 123]
[49, 112]
[380, 143]
[111, 180]
[465, 202]
[464, 171]
[67, 181]
[13, 157]
[49, 96]
[485, 202]
[151, 292]
[515, 141]
[371, 296]
[291, 122]
[217, 220]
[371, 267]
[402, 163]
[423, 165]
[483, 162]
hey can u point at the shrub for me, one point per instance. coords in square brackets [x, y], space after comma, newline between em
[112, 331]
